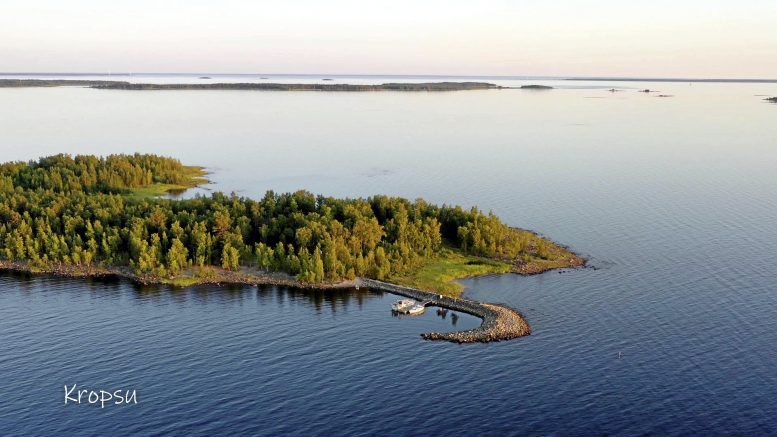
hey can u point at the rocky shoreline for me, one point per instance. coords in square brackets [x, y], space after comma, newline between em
[224, 277]
[500, 322]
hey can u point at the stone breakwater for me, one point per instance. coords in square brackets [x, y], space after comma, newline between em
[499, 321]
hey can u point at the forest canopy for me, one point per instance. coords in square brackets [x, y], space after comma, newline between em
[80, 211]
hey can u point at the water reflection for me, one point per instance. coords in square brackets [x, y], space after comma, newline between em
[112, 287]
[116, 288]
[320, 299]
[442, 313]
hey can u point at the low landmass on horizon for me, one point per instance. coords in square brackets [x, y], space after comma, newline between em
[118, 85]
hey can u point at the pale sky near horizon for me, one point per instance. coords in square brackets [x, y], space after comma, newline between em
[660, 38]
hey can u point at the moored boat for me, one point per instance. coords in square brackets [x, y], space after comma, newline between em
[416, 309]
[403, 305]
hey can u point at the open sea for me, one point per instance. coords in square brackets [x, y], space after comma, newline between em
[672, 199]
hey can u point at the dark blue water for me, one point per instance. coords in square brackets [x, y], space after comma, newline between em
[672, 199]
[206, 359]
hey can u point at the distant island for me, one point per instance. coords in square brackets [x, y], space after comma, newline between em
[771, 99]
[119, 85]
[95, 216]
[536, 87]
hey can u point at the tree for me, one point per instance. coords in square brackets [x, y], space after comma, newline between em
[318, 265]
[230, 258]
[177, 257]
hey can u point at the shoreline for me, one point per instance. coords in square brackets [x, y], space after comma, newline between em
[499, 322]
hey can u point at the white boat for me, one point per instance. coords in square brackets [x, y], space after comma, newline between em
[416, 309]
[403, 305]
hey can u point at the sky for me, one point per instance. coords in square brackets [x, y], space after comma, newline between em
[659, 38]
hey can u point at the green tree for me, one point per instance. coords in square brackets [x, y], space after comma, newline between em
[318, 265]
[230, 258]
[177, 257]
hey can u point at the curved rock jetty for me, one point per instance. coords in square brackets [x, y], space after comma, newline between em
[500, 322]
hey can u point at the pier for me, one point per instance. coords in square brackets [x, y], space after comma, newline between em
[500, 322]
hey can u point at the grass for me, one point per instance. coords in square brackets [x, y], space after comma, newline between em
[182, 281]
[196, 275]
[439, 274]
[195, 177]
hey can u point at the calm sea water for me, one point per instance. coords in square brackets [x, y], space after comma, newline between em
[672, 199]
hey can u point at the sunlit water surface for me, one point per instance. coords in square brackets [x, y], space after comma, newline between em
[672, 199]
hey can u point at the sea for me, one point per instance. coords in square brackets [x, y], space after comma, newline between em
[671, 329]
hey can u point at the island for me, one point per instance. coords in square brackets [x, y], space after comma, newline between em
[103, 216]
[119, 85]
[536, 87]
[771, 99]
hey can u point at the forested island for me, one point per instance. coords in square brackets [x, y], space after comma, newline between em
[88, 215]
[119, 85]
[771, 99]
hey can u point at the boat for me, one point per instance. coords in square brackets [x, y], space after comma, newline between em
[416, 309]
[408, 306]
[402, 305]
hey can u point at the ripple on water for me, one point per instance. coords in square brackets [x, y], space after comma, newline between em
[674, 204]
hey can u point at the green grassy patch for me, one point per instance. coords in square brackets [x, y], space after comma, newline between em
[195, 177]
[438, 274]
[182, 281]
[196, 275]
